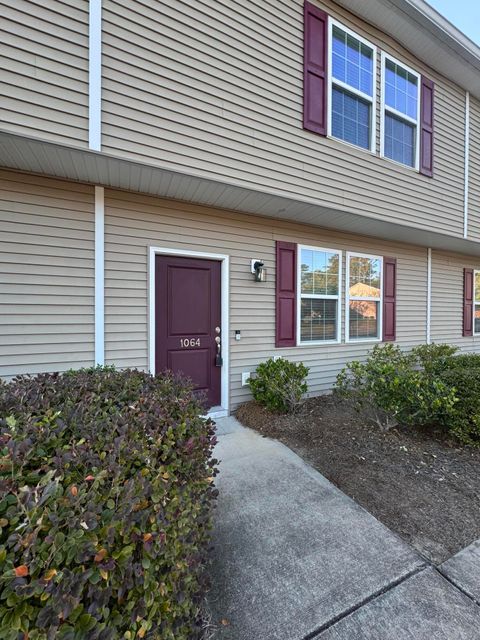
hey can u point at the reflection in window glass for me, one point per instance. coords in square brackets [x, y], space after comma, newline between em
[401, 89]
[351, 118]
[399, 140]
[319, 295]
[364, 293]
[352, 61]
[318, 319]
[363, 319]
[364, 277]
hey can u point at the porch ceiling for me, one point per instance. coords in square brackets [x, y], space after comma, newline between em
[81, 165]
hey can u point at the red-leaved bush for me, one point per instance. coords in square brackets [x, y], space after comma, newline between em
[106, 488]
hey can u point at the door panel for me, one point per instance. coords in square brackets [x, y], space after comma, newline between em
[188, 321]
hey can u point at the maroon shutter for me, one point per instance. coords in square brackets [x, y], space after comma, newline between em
[286, 311]
[468, 302]
[426, 127]
[315, 70]
[389, 299]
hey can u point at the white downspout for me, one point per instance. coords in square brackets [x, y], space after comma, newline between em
[99, 276]
[429, 295]
[467, 163]
[95, 75]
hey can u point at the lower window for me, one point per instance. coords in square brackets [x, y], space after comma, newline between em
[319, 287]
[476, 303]
[364, 297]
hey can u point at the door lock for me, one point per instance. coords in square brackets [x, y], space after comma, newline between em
[218, 356]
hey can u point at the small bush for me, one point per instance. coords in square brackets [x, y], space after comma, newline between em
[105, 500]
[464, 422]
[433, 358]
[463, 361]
[279, 385]
[389, 389]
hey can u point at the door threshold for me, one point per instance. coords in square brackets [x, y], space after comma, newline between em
[217, 412]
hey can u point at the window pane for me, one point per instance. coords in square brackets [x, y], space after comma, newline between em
[401, 89]
[363, 319]
[318, 320]
[477, 286]
[477, 318]
[350, 118]
[319, 272]
[365, 277]
[352, 61]
[399, 140]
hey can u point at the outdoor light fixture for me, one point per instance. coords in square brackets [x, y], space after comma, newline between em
[259, 271]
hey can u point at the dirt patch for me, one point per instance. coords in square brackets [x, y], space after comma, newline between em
[418, 483]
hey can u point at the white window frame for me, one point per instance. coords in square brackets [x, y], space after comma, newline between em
[475, 271]
[402, 116]
[342, 85]
[354, 254]
[338, 297]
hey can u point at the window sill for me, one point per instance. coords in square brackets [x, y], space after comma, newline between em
[318, 343]
[399, 164]
[370, 152]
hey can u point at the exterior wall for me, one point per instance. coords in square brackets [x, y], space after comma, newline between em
[198, 99]
[447, 299]
[134, 222]
[46, 274]
[44, 69]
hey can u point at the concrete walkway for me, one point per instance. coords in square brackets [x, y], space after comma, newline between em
[295, 558]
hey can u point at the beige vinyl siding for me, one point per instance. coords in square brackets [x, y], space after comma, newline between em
[447, 299]
[474, 171]
[46, 274]
[134, 222]
[44, 69]
[220, 94]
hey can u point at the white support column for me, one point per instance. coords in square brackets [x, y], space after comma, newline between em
[467, 163]
[95, 75]
[429, 295]
[99, 276]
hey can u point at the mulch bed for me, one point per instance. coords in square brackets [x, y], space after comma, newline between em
[418, 483]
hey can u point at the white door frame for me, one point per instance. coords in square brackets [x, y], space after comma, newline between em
[216, 412]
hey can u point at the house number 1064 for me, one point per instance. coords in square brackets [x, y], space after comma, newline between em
[189, 342]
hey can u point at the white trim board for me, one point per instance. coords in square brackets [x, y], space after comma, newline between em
[99, 276]
[95, 75]
[223, 410]
[429, 295]
[467, 164]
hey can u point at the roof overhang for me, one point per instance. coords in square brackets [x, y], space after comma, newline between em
[81, 165]
[427, 34]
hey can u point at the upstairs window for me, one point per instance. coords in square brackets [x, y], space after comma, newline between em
[364, 297]
[400, 113]
[319, 287]
[352, 88]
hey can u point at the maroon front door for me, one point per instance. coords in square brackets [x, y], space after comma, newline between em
[188, 321]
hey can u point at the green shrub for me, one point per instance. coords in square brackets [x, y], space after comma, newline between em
[106, 486]
[279, 385]
[433, 358]
[389, 389]
[464, 361]
[464, 422]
